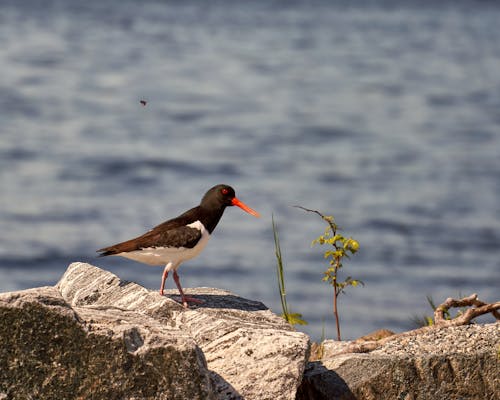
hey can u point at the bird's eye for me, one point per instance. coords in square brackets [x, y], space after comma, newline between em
[224, 191]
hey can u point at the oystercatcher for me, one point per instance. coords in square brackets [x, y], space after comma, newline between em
[181, 238]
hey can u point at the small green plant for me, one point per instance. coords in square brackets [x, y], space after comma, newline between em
[341, 248]
[424, 320]
[291, 318]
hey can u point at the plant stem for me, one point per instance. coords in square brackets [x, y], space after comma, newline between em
[279, 271]
[335, 310]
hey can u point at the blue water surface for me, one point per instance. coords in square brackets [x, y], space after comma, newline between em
[385, 114]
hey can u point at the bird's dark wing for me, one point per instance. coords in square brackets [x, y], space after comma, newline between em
[182, 236]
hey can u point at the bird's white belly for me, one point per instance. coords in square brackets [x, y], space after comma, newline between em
[173, 255]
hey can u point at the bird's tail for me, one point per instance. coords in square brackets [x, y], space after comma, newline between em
[106, 252]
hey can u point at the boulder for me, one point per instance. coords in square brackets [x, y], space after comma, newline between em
[450, 363]
[96, 336]
[51, 350]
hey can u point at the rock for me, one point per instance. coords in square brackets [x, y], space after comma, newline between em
[95, 336]
[376, 335]
[51, 350]
[450, 363]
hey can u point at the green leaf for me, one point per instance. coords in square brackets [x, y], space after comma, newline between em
[353, 282]
[294, 319]
[351, 245]
[338, 237]
[354, 246]
[330, 241]
[339, 253]
[329, 253]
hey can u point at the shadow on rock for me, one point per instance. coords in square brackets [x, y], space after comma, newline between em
[321, 383]
[227, 301]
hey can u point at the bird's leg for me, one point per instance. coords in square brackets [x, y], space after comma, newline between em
[184, 298]
[164, 278]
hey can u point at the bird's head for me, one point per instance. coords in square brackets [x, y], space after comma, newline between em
[224, 195]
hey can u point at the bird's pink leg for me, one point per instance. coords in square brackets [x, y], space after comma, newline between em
[163, 279]
[184, 298]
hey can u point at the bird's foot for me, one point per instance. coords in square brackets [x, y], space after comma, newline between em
[186, 299]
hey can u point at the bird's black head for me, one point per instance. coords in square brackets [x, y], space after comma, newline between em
[222, 196]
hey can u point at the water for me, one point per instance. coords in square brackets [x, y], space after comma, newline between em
[385, 114]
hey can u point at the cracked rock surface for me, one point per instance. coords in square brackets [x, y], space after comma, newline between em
[95, 336]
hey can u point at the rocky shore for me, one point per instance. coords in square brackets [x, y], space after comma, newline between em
[94, 336]
[460, 362]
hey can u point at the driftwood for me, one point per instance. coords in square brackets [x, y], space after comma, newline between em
[478, 308]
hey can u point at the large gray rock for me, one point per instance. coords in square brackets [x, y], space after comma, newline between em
[95, 336]
[50, 350]
[451, 363]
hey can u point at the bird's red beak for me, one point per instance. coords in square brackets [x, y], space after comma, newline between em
[244, 207]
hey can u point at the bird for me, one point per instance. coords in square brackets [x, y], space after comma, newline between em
[180, 239]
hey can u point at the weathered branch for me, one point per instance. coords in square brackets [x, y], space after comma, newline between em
[309, 210]
[479, 308]
[323, 217]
